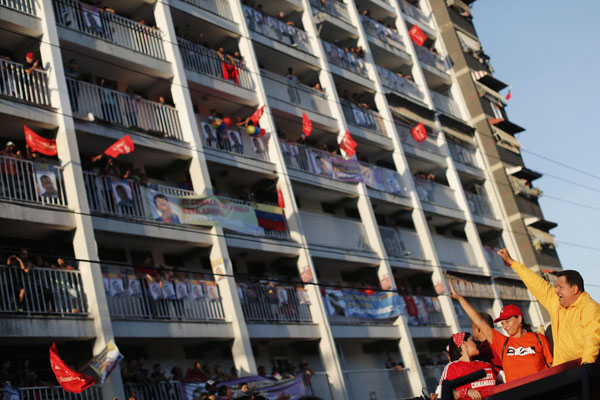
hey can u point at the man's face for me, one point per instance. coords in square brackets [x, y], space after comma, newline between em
[29, 59]
[163, 206]
[476, 333]
[47, 184]
[122, 193]
[567, 294]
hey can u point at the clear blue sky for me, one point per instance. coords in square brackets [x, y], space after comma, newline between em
[550, 51]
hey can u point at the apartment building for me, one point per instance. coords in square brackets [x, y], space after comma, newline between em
[406, 214]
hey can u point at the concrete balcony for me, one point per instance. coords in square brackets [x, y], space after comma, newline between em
[216, 7]
[434, 66]
[416, 14]
[378, 384]
[23, 6]
[465, 159]
[400, 86]
[128, 111]
[333, 8]
[385, 184]
[456, 254]
[385, 38]
[479, 205]
[438, 198]
[347, 65]
[428, 149]
[335, 14]
[446, 105]
[402, 244]
[18, 85]
[363, 118]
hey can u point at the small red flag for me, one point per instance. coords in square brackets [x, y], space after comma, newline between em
[508, 95]
[71, 381]
[122, 146]
[256, 116]
[417, 35]
[37, 143]
[419, 133]
[280, 201]
[348, 144]
[495, 121]
[307, 126]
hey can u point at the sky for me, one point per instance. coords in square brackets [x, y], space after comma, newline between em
[549, 50]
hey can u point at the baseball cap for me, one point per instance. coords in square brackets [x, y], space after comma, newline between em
[8, 144]
[29, 55]
[508, 311]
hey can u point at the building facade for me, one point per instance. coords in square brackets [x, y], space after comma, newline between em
[406, 215]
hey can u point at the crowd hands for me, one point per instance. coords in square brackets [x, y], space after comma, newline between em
[10, 151]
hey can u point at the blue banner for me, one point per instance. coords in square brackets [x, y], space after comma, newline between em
[268, 388]
[362, 304]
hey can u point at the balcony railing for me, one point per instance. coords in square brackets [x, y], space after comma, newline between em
[345, 60]
[318, 385]
[400, 84]
[381, 32]
[415, 12]
[122, 109]
[338, 233]
[109, 27]
[494, 259]
[55, 393]
[363, 117]
[454, 251]
[47, 291]
[171, 390]
[205, 61]
[235, 140]
[429, 58]
[24, 6]
[297, 94]
[272, 304]
[429, 144]
[378, 384]
[333, 7]
[432, 375]
[463, 155]
[310, 159]
[26, 181]
[18, 84]
[139, 299]
[217, 7]
[435, 193]
[445, 104]
[384, 180]
[401, 243]
[479, 205]
[277, 30]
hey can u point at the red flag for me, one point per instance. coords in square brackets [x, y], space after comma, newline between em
[37, 143]
[417, 35]
[508, 95]
[419, 133]
[71, 381]
[280, 201]
[495, 121]
[256, 116]
[411, 306]
[307, 126]
[230, 72]
[348, 144]
[122, 146]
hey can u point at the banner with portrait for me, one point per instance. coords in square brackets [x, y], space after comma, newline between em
[354, 303]
[212, 290]
[320, 162]
[155, 290]
[373, 177]
[121, 192]
[134, 286]
[116, 285]
[197, 289]
[168, 290]
[106, 361]
[302, 296]
[181, 289]
[45, 179]
[346, 170]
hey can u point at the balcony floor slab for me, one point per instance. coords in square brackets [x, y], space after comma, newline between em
[171, 329]
[279, 331]
[47, 327]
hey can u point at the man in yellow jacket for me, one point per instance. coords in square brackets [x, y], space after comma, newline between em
[574, 314]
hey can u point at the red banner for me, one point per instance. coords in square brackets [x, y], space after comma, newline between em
[417, 35]
[71, 381]
[257, 115]
[307, 126]
[280, 201]
[230, 72]
[37, 143]
[122, 146]
[419, 133]
[348, 144]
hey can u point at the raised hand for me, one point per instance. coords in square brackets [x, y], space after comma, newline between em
[508, 260]
[455, 295]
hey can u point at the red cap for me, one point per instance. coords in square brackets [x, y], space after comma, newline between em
[508, 311]
[29, 55]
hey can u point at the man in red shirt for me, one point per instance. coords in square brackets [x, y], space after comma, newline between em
[195, 374]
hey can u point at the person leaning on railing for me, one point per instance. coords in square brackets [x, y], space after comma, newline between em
[574, 314]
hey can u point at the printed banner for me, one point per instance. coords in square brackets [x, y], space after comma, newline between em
[121, 192]
[122, 146]
[106, 361]
[268, 388]
[45, 179]
[39, 144]
[302, 296]
[70, 380]
[346, 170]
[320, 162]
[212, 290]
[116, 285]
[373, 177]
[197, 289]
[352, 303]
[181, 289]
[134, 286]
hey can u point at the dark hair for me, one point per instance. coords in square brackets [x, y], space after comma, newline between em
[454, 351]
[487, 318]
[160, 196]
[526, 325]
[573, 278]
[222, 390]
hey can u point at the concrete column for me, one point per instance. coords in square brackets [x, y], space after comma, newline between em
[84, 243]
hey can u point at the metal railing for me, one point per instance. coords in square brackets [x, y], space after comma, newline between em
[15, 82]
[429, 58]
[272, 304]
[494, 259]
[384, 180]
[401, 243]
[454, 251]
[169, 390]
[363, 117]
[463, 155]
[378, 384]
[206, 61]
[130, 111]
[109, 27]
[301, 157]
[432, 375]
[47, 291]
[339, 233]
[317, 384]
[233, 140]
[277, 30]
[333, 7]
[56, 393]
[429, 144]
[415, 12]
[24, 6]
[400, 84]
[381, 32]
[435, 193]
[445, 104]
[217, 7]
[345, 60]
[512, 291]
[479, 205]
[23, 180]
[142, 305]
[292, 92]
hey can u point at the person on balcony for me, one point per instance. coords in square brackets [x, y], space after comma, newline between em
[574, 314]
[522, 352]
[72, 72]
[293, 83]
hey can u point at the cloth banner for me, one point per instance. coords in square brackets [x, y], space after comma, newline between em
[39, 144]
[201, 210]
[417, 35]
[353, 303]
[8, 393]
[70, 380]
[212, 290]
[282, 295]
[307, 126]
[122, 146]
[320, 162]
[116, 285]
[373, 177]
[393, 182]
[419, 133]
[302, 296]
[105, 362]
[268, 388]
[280, 199]
[230, 72]
[197, 289]
[348, 144]
[255, 117]
[168, 291]
[134, 286]
[346, 170]
[45, 179]
[270, 217]
[181, 288]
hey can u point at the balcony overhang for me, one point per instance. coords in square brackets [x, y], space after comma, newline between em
[506, 125]
[523, 173]
[540, 223]
[485, 78]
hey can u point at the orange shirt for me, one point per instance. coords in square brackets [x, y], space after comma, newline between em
[522, 356]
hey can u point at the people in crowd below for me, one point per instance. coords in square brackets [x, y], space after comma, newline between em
[574, 315]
